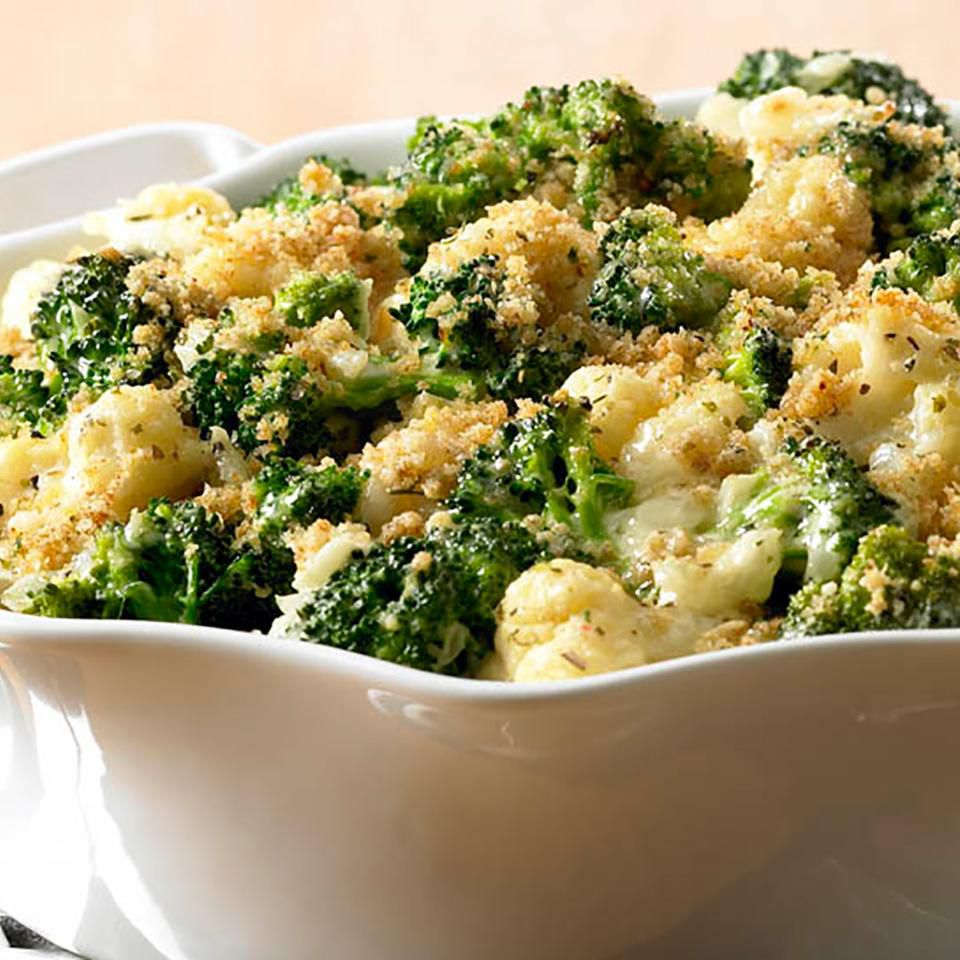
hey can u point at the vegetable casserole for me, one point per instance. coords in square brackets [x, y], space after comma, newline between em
[572, 388]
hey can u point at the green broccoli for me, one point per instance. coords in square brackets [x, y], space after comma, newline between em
[270, 401]
[309, 297]
[453, 171]
[834, 72]
[265, 402]
[914, 103]
[274, 403]
[601, 133]
[183, 563]
[911, 186]
[937, 205]
[647, 277]
[695, 173]
[454, 317]
[542, 465]
[820, 499]
[760, 363]
[930, 266]
[610, 143]
[292, 493]
[893, 582]
[841, 503]
[763, 71]
[425, 602]
[289, 195]
[28, 400]
[88, 332]
[599, 138]
[171, 562]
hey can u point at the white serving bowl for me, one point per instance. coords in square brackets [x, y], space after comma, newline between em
[188, 793]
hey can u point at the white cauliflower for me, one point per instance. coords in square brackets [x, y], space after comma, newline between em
[619, 399]
[858, 371]
[563, 619]
[681, 444]
[721, 578]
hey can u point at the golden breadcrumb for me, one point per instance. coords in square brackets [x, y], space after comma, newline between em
[546, 252]
[425, 455]
[259, 252]
[805, 213]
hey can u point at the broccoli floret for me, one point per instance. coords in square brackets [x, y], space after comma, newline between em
[820, 499]
[893, 583]
[911, 188]
[930, 266]
[761, 72]
[28, 400]
[647, 277]
[760, 363]
[610, 143]
[834, 72]
[937, 205]
[600, 139]
[274, 404]
[602, 129]
[841, 502]
[309, 297]
[542, 465]
[461, 331]
[454, 316]
[271, 401]
[622, 149]
[914, 103]
[87, 334]
[180, 562]
[289, 492]
[425, 602]
[453, 171]
[289, 195]
[696, 174]
[264, 402]
[76, 597]
[173, 562]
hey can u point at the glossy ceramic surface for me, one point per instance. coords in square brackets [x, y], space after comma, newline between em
[182, 793]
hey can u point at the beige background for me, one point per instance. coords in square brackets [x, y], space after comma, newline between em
[272, 68]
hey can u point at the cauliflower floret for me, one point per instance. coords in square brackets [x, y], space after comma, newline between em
[418, 462]
[805, 213]
[322, 549]
[926, 489]
[130, 446]
[553, 258]
[684, 443]
[721, 114]
[859, 367]
[778, 124]
[118, 453]
[167, 219]
[24, 460]
[721, 578]
[564, 619]
[935, 419]
[619, 399]
[257, 253]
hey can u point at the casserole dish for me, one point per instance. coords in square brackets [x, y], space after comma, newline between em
[155, 781]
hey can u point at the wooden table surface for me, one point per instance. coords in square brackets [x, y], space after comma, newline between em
[272, 68]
